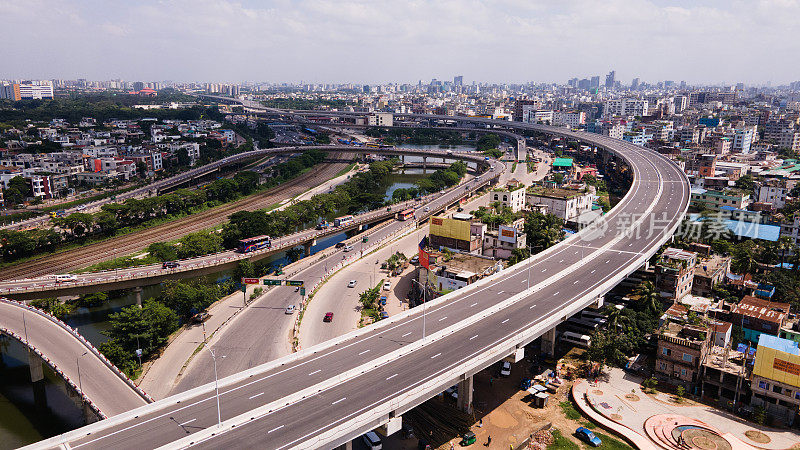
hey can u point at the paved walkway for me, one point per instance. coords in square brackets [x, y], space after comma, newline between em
[620, 399]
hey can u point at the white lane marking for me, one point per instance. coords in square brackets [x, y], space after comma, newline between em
[445, 317]
[576, 281]
[504, 321]
[340, 400]
[406, 334]
[275, 429]
[593, 271]
[473, 304]
[390, 377]
[500, 292]
[436, 355]
[257, 395]
[557, 292]
[316, 371]
[532, 306]
[544, 270]
[561, 261]
[473, 337]
[608, 261]
[190, 421]
[365, 351]
[524, 281]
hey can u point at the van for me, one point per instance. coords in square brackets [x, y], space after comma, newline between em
[371, 440]
[66, 278]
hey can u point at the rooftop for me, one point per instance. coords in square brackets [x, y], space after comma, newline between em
[562, 162]
[780, 344]
[761, 309]
[559, 193]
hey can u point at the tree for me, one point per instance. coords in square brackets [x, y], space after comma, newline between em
[743, 259]
[245, 269]
[649, 297]
[162, 251]
[141, 169]
[294, 253]
[518, 255]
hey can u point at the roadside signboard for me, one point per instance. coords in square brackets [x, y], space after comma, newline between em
[250, 281]
[269, 282]
[294, 282]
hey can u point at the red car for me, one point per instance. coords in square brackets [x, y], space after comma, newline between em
[328, 317]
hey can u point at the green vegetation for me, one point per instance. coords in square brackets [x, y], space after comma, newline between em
[560, 442]
[543, 230]
[117, 218]
[302, 103]
[148, 328]
[611, 442]
[101, 106]
[346, 169]
[416, 136]
[628, 328]
[514, 167]
[496, 214]
[488, 142]
[569, 410]
[518, 255]
[54, 307]
[441, 179]
[369, 303]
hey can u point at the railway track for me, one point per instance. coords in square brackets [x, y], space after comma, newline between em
[69, 260]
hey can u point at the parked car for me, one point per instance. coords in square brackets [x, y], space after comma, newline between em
[170, 265]
[340, 244]
[290, 309]
[587, 436]
[505, 370]
[352, 283]
[452, 391]
[467, 438]
[328, 317]
[372, 441]
[387, 286]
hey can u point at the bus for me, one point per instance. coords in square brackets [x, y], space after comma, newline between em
[581, 340]
[341, 221]
[253, 244]
[405, 215]
[581, 325]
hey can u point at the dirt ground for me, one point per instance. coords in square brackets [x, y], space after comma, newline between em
[502, 412]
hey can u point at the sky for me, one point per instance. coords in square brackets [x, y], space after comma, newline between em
[378, 41]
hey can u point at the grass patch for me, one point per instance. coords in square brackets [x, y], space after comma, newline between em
[345, 170]
[514, 167]
[569, 410]
[611, 443]
[560, 442]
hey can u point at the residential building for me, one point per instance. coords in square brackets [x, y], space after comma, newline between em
[564, 203]
[714, 200]
[445, 275]
[511, 197]
[759, 316]
[776, 379]
[743, 139]
[460, 233]
[569, 118]
[625, 107]
[682, 350]
[500, 243]
[380, 119]
[773, 192]
[708, 272]
[675, 273]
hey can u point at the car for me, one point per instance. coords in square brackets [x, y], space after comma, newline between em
[328, 317]
[414, 260]
[352, 283]
[63, 278]
[427, 208]
[384, 315]
[348, 248]
[452, 391]
[467, 439]
[170, 265]
[372, 440]
[290, 309]
[505, 370]
[340, 244]
[587, 436]
[200, 317]
[460, 209]
[387, 286]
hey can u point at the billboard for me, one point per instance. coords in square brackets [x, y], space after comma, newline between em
[450, 228]
[507, 234]
[777, 365]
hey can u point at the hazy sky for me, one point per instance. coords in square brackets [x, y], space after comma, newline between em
[374, 41]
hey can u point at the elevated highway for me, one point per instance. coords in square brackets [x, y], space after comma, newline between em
[328, 394]
[152, 274]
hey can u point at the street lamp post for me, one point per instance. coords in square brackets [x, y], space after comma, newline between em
[216, 385]
[78, 363]
[424, 307]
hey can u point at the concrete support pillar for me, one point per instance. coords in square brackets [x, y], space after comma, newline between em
[346, 446]
[424, 163]
[549, 342]
[598, 302]
[465, 388]
[137, 292]
[37, 381]
[307, 248]
[35, 363]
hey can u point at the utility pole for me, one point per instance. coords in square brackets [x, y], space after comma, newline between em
[216, 385]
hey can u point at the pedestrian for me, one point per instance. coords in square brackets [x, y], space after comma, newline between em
[452, 447]
[491, 380]
[488, 441]
[480, 423]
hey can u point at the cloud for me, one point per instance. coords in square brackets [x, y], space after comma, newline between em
[382, 40]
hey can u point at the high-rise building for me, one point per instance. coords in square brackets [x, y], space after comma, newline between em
[138, 85]
[595, 81]
[635, 84]
[28, 90]
[458, 80]
[611, 78]
[10, 91]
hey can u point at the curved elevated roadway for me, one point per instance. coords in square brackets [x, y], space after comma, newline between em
[72, 357]
[328, 394]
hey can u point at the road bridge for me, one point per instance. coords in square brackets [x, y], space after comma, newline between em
[328, 394]
[153, 274]
[94, 380]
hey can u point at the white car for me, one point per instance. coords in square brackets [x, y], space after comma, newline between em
[387, 286]
[348, 248]
[427, 208]
[290, 309]
[506, 369]
[352, 283]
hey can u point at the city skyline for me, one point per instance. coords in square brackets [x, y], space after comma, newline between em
[379, 42]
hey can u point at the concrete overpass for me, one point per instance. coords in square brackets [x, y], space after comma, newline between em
[92, 381]
[153, 274]
[326, 395]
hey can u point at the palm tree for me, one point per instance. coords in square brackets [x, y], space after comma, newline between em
[785, 243]
[649, 296]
